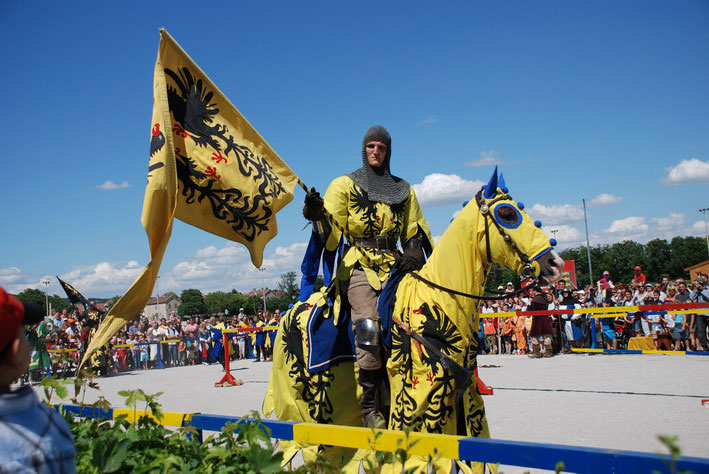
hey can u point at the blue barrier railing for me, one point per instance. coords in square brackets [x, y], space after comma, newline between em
[515, 453]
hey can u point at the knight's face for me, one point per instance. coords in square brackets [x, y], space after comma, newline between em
[376, 153]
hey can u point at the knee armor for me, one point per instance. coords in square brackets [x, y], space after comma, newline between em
[367, 332]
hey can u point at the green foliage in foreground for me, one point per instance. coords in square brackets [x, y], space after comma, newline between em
[119, 446]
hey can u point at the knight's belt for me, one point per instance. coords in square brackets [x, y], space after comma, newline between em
[381, 242]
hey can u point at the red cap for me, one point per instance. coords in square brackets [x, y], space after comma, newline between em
[638, 268]
[13, 314]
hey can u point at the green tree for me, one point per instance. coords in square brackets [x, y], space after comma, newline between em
[58, 303]
[620, 259]
[288, 283]
[237, 301]
[192, 303]
[279, 302]
[658, 255]
[217, 302]
[499, 276]
[33, 295]
[685, 252]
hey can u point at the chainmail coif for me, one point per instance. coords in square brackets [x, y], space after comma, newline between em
[378, 183]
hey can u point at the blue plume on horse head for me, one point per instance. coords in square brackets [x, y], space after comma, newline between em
[501, 183]
[491, 186]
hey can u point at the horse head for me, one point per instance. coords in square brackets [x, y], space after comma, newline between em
[510, 238]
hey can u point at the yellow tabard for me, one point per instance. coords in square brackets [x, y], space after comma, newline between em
[361, 218]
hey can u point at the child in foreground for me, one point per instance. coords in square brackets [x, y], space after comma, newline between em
[33, 437]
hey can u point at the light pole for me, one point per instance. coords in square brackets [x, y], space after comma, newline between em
[706, 234]
[588, 244]
[263, 285]
[554, 231]
[157, 300]
[46, 295]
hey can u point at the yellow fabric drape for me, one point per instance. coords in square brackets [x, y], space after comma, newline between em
[208, 167]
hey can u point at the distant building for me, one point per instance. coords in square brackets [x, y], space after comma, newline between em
[269, 293]
[694, 270]
[161, 307]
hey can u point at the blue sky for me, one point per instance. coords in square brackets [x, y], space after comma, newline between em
[572, 100]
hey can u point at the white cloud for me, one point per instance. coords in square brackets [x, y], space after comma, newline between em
[490, 157]
[212, 269]
[688, 171]
[438, 188]
[673, 222]
[566, 234]
[629, 226]
[698, 228]
[110, 185]
[104, 278]
[10, 275]
[605, 199]
[429, 121]
[556, 214]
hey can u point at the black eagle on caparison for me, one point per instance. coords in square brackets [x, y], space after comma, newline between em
[314, 388]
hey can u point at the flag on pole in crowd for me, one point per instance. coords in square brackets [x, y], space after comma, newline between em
[74, 296]
[207, 167]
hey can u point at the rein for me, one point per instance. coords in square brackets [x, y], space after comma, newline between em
[528, 270]
[501, 296]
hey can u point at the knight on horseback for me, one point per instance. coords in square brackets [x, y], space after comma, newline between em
[375, 209]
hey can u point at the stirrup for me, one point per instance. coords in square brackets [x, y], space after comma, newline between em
[375, 420]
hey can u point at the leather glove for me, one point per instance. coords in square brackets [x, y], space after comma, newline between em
[411, 260]
[314, 208]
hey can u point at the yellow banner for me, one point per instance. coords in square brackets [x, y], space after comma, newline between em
[208, 167]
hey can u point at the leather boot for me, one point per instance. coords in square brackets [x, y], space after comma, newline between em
[368, 380]
[536, 351]
[548, 350]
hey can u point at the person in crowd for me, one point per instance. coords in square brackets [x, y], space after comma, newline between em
[682, 330]
[172, 335]
[639, 278]
[521, 333]
[572, 321]
[700, 294]
[192, 335]
[154, 338]
[33, 437]
[490, 328]
[608, 327]
[259, 338]
[217, 339]
[145, 352]
[541, 330]
[204, 340]
[508, 331]
[242, 338]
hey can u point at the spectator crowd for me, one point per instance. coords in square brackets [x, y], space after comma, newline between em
[144, 344]
[513, 335]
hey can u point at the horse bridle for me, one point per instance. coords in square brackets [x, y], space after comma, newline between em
[527, 270]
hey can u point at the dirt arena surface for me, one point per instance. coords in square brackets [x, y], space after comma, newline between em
[607, 401]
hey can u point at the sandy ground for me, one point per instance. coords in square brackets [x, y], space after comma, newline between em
[609, 401]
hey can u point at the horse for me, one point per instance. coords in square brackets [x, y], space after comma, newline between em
[436, 321]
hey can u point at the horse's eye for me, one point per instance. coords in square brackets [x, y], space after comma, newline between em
[508, 216]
